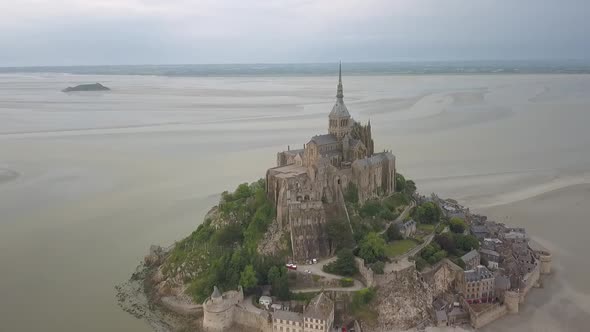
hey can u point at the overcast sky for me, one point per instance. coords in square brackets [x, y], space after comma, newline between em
[81, 32]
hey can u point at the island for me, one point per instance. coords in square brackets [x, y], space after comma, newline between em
[335, 237]
[86, 87]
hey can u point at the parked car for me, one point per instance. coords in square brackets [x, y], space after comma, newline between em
[314, 260]
[291, 266]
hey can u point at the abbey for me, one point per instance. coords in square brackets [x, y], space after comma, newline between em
[307, 184]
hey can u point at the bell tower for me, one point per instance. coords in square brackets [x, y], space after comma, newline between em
[340, 122]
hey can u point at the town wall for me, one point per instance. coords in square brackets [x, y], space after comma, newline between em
[532, 280]
[483, 318]
[259, 321]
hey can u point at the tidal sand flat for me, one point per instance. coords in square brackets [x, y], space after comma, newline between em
[104, 176]
[559, 221]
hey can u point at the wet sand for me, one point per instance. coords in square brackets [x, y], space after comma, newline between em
[101, 177]
[558, 220]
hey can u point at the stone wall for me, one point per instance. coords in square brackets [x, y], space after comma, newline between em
[256, 321]
[444, 276]
[308, 235]
[366, 273]
[532, 280]
[483, 318]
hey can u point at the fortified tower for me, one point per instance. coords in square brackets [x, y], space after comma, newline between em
[218, 309]
[511, 300]
[340, 122]
[545, 258]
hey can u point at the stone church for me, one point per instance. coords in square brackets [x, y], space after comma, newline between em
[307, 185]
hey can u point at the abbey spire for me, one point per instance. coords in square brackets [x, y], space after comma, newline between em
[340, 122]
[340, 94]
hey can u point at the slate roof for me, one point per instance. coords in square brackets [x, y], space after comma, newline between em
[216, 292]
[319, 307]
[441, 316]
[374, 159]
[470, 255]
[502, 282]
[287, 315]
[489, 252]
[324, 139]
[481, 272]
[339, 110]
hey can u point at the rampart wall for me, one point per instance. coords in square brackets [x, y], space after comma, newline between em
[252, 320]
[483, 318]
[366, 273]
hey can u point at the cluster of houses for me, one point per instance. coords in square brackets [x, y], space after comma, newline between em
[496, 276]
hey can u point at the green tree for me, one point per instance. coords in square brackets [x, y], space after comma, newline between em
[427, 213]
[339, 234]
[277, 277]
[410, 187]
[372, 248]
[393, 233]
[400, 183]
[344, 265]
[446, 241]
[248, 278]
[371, 208]
[351, 194]
[466, 242]
[457, 225]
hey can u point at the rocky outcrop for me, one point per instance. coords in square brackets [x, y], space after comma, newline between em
[275, 241]
[86, 87]
[402, 301]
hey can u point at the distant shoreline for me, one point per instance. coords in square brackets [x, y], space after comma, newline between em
[321, 69]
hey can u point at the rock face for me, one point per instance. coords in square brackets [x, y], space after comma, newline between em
[86, 87]
[402, 302]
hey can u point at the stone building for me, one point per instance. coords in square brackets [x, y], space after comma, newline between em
[407, 228]
[287, 321]
[491, 256]
[308, 183]
[471, 259]
[318, 316]
[479, 285]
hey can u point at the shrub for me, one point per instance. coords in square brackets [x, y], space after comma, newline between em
[420, 263]
[371, 208]
[378, 267]
[457, 225]
[351, 194]
[393, 233]
[363, 297]
[427, 213]
[346, 282]
[344, 265]
[372, 248]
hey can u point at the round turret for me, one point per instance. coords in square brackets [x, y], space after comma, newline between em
[545, 258]
[218, 311]
[511, 300]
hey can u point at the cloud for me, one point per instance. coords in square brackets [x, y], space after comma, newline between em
[62, 32]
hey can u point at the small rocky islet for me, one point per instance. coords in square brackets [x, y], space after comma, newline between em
[86, 87]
